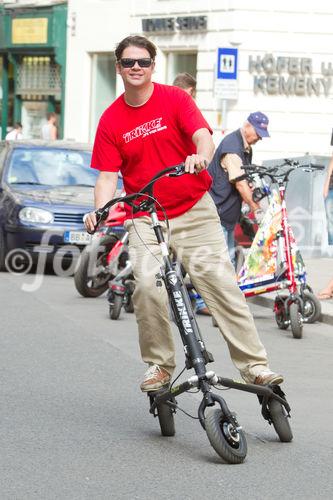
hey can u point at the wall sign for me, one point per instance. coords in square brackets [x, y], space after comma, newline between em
[280, 75]
[29, 30]
[173, 24]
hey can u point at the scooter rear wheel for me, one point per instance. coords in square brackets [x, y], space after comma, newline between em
[129, 307]
[115, 308]
[280, 421]
[296, 323]
[312, 307]
[229, 444]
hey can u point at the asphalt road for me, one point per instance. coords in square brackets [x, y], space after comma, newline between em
[74, 424]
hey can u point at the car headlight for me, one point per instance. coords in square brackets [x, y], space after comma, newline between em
[35, 215]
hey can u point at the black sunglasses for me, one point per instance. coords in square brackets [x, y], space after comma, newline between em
[144, 62]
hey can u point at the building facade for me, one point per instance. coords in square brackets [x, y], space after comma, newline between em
[32, 64]
[284, 63]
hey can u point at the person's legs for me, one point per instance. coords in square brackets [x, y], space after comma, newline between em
[150, 301]
[200, 306]
[329, 215]
[199, 242]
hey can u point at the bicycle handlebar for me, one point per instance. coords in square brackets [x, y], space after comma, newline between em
[147, 190]
[274, 173]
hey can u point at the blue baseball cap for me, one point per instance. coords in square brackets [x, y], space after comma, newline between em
[260, 123]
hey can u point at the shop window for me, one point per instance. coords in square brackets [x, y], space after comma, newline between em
[103, 88]
[38, 76]
[180, 62]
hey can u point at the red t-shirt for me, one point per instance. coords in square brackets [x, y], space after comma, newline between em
[142, 141]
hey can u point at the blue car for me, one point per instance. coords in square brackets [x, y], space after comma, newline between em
[45, 189]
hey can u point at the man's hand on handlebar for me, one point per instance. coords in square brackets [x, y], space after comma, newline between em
[90, 222]
[195, 163]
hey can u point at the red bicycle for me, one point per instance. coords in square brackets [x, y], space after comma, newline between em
[273, 262]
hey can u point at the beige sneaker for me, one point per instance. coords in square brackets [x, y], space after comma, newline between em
[268, 377]
[155, 378]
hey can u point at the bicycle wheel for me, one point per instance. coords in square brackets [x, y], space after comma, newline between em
[296, 322]
[229, 444]
[115, 308]
[312, 307]
[280, 421]
[166, 419]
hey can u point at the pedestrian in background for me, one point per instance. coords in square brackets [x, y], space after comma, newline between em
[49, 129]
[16, 133]
[186, 82]
[227, 192]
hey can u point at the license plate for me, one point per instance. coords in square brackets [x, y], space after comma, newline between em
[77, 237]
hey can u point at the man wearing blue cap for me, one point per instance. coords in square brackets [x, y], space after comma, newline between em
[227, 192]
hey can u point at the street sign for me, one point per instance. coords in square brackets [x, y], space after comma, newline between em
[226, 84]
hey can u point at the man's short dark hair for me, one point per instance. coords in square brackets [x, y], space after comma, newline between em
[185, 81]
[50, 115]
[135, 41]
[17, 125]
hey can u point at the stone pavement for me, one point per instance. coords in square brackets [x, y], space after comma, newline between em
[319, 273]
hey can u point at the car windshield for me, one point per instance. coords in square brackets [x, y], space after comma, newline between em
[51, 167]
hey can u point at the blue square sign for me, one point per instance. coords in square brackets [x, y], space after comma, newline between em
[227, 63]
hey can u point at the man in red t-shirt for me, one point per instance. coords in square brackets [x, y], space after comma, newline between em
[150, 127]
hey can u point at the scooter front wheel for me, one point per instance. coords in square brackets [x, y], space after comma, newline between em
[296, 322]
[115, 308]
[166, 419]
[280, 421]
[229, 443]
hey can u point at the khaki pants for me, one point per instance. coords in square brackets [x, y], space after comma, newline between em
[198, 240]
